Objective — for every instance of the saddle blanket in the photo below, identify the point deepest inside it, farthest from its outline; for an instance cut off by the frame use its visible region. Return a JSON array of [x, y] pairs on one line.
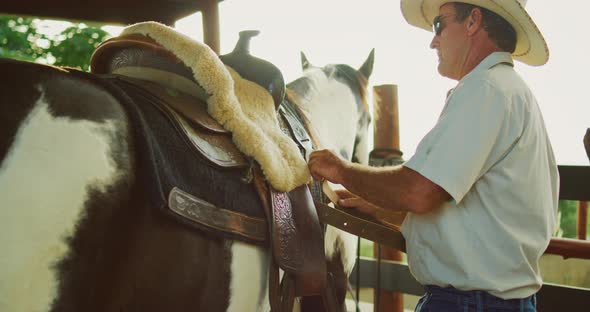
[[165, 160]]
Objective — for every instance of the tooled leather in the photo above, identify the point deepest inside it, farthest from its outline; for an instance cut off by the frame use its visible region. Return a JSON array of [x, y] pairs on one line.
[[287, 247], [205, 214]]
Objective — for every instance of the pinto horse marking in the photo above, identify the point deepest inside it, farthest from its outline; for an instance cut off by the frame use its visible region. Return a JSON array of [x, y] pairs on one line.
[[75, 231], [46, 232], [45, 183], [249, 278]]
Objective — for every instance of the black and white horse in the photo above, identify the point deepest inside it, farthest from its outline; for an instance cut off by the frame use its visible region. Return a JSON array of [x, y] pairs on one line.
[[73, 231]]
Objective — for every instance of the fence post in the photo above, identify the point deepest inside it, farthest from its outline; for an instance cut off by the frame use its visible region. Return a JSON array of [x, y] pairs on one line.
[[386, 151], [582, 219]]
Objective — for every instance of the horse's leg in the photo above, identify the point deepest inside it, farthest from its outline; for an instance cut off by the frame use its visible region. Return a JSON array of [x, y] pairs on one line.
[[249, 278], [52, 163]]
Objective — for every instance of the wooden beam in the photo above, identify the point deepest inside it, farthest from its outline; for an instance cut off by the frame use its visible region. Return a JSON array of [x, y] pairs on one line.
[[553, 297], [120, 12], [210, 11], [574, 182]]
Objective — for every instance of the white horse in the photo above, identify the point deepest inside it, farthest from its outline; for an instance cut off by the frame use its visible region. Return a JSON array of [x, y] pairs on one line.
[[76, 230]]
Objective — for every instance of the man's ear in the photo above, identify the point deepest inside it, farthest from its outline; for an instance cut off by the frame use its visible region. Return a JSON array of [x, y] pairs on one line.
[[474, 21]]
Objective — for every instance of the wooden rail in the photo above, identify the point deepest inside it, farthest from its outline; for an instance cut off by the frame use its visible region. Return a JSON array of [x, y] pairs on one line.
[[569, 248], [574, 182], [574, 185]]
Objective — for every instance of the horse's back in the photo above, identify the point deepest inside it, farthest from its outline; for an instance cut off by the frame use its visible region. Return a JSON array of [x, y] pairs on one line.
[[56, 156], [76, 232]]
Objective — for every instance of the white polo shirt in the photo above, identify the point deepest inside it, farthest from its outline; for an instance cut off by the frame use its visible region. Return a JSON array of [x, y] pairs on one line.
[[490, 151]]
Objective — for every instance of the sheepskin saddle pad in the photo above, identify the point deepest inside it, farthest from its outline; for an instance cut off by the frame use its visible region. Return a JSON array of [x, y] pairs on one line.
[[240, 106]]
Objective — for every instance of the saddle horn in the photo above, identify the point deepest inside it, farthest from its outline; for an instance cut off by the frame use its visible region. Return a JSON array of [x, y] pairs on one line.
[[262, 72]]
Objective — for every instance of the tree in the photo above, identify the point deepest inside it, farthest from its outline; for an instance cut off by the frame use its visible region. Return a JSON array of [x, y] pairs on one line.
[[18, 39], [21, 39], [74, 46]]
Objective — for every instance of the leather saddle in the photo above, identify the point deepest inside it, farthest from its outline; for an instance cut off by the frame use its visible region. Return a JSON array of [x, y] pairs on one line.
[[292, 227]]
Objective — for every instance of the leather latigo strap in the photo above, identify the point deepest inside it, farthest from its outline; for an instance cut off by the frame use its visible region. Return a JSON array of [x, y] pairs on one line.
[[296, 129], [351, 221], [207, 215]]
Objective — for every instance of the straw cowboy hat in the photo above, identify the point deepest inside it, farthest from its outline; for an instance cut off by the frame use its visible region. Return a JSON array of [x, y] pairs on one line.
[[531, 47]]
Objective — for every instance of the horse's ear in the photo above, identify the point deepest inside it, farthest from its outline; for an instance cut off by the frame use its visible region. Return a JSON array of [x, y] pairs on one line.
[[367, 67], [305, 64], [587, 142]]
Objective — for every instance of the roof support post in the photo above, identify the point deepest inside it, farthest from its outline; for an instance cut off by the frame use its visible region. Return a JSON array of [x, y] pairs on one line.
[[386, 145], [210, 13]]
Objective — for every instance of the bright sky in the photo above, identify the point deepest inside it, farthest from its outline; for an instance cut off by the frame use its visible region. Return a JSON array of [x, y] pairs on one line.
[[344, 31]]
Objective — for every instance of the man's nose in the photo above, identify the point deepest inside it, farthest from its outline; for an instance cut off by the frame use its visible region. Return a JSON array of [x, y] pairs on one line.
[[434, 42]]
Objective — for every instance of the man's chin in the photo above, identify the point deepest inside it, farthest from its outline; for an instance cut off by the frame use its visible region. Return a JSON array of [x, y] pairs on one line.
[[441, 69]]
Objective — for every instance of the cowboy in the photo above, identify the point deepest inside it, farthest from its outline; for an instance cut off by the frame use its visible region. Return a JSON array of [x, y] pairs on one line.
[[477, 202]]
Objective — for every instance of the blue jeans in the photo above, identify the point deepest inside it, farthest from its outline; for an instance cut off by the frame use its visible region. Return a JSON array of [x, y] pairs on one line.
[[449, 299]]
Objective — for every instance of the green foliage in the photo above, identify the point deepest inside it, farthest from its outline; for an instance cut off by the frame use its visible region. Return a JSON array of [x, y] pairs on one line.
[[75, 45], [20, 39], [366, 248], [568, 215]]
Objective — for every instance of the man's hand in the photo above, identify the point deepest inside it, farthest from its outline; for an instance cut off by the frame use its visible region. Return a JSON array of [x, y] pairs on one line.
[[324, 164]]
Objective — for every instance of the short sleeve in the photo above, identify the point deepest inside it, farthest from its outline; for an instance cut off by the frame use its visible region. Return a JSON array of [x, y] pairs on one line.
[[454, 153]]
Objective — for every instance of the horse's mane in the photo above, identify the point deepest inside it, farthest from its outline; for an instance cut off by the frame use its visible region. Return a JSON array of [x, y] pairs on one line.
[[350, 76]]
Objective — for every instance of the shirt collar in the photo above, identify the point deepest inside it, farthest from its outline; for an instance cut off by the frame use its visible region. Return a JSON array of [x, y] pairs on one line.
[[492, 60], [488, 62]]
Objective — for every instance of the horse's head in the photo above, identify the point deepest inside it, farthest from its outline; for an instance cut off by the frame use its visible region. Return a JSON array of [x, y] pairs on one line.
[[334, 100]]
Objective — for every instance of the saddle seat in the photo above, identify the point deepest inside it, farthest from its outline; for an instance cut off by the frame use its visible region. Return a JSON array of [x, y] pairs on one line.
[[292, 225], [143, 62], [245, 107]]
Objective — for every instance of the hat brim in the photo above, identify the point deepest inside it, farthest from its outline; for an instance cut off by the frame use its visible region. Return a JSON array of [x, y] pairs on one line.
[[531, 47]]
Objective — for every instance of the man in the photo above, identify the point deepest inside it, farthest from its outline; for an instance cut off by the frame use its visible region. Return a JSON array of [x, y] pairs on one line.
[[481, 191]]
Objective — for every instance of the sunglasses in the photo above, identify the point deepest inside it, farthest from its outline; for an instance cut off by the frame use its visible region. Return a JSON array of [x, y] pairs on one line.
[[437, 24]]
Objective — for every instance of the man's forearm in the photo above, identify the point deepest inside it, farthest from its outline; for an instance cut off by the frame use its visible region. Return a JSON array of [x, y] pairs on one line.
[[394, 188], [382, 186]]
